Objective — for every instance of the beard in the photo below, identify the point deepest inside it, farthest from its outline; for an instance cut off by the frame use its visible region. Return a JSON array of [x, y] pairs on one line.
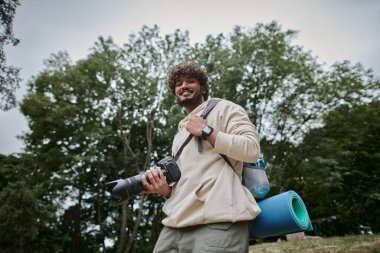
[[194, 100]]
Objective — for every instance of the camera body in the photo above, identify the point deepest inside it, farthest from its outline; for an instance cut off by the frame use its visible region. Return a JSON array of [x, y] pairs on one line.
[[123, 188], [170, 169]]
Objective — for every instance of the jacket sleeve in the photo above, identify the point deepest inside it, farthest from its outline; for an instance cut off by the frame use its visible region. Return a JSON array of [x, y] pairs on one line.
[[237, 138]]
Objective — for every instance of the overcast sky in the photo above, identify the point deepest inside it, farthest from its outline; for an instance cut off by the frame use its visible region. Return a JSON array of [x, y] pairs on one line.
[[333, 30]]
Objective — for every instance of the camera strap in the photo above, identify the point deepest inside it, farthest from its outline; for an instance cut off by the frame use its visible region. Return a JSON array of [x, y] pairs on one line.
[[210, 105]]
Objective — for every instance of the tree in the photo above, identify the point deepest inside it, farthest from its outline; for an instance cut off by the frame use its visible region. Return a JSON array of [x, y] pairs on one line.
[[340, 166], [109, 116], [277, 82], [93, 122], [285, 91], [26, 222], [9, 76], [18, 209], [17, 212]]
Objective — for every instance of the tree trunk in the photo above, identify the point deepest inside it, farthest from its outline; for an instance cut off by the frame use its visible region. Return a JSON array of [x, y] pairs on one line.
[[124, 212], [149, 133]]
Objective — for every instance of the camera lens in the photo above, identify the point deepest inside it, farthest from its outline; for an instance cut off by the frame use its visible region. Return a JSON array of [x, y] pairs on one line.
[[123, 188], [134, 184]]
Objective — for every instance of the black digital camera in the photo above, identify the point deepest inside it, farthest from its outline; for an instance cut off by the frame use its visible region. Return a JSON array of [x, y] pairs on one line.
[[123, 188]]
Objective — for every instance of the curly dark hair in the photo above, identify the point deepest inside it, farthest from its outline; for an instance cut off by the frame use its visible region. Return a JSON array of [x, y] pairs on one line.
[[187, 69]]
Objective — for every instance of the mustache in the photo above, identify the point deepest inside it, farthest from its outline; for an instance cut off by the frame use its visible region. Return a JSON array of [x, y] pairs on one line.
[[186, 89]]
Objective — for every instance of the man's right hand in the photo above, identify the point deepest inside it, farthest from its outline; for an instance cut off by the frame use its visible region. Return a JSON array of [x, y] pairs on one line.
[[157, 184]]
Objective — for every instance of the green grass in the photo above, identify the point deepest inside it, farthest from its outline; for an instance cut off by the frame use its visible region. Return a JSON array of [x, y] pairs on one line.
[[346, 244]]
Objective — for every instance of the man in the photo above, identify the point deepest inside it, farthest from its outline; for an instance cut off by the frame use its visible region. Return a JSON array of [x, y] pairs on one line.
[[208, 210]]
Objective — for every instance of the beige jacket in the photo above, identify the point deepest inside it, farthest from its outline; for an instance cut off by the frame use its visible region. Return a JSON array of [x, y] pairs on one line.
[[209, 191]]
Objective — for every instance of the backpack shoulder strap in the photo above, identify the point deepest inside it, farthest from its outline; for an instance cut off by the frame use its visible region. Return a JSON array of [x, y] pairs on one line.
[[210, 105]]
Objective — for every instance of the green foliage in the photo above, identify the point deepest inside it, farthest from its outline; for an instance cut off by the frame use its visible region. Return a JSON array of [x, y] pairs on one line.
[[18, 211], [110, 116], [17, 214], [262, 71], [9, 76], [340, 166], [95, 121], [27, 218], [285, 91]]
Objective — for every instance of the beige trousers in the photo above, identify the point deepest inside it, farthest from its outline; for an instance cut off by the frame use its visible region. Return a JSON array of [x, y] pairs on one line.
[[216, 237]]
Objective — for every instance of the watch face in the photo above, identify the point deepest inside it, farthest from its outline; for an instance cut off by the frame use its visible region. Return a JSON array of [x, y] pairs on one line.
[[207, 130]]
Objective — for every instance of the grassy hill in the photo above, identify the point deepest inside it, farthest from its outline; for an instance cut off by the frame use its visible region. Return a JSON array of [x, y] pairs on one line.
[[346, 244]]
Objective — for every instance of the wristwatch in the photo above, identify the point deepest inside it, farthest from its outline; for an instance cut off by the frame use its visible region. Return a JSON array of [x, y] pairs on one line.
[[206, 131]]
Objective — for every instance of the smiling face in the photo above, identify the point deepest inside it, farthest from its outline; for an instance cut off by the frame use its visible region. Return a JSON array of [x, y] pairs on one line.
[[189, 92], [187, 70]]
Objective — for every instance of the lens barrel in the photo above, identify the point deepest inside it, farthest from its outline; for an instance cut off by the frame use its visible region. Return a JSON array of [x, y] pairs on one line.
[[123, 188]]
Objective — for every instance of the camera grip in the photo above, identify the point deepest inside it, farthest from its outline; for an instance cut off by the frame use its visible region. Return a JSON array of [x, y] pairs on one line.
[[170, 169]]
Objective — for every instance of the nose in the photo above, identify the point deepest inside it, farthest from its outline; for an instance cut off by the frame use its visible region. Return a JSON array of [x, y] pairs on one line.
[[182, 84]]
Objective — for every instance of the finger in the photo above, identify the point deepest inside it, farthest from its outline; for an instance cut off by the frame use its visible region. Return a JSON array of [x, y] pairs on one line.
[[143, 180], [156, 174], [196, 118], [190, 120], [148, 187], [152, 179], [158, 177], [162, 176]]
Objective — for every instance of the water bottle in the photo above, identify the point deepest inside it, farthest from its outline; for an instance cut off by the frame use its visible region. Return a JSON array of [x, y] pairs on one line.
[[255, 178]]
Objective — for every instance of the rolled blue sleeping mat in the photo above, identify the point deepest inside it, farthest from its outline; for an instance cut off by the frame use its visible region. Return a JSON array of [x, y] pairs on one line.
[[281, 214]]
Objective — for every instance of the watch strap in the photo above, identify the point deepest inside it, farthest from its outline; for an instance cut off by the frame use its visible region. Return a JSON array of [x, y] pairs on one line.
[[204, 134]]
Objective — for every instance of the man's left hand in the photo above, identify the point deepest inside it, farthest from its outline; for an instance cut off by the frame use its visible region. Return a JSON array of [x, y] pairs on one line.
[[195, 125]]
